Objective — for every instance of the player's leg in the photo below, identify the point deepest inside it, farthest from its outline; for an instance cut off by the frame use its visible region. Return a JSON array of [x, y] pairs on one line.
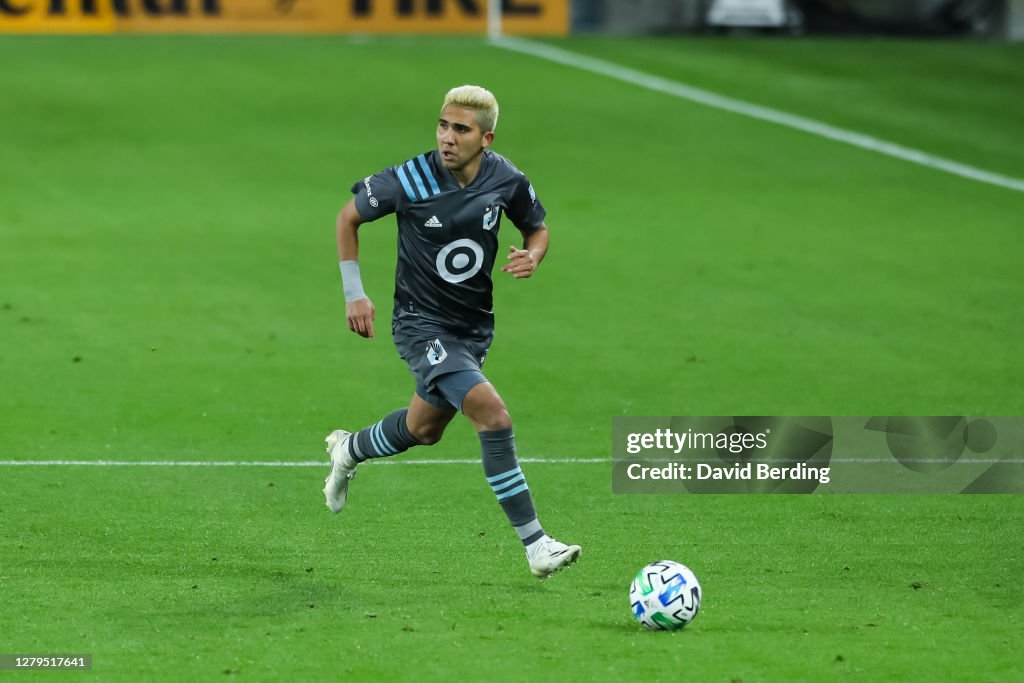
[[422, 423], [428, 420], [487, 411]]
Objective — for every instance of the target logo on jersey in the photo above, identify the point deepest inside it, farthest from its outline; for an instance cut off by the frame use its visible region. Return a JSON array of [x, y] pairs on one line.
[[459, 260]]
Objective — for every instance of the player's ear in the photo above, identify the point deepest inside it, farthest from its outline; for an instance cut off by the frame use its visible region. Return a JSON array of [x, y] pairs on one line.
[[488, 138]]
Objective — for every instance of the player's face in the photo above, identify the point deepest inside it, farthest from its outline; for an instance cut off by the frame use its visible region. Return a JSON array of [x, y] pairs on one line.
[[459, 137]]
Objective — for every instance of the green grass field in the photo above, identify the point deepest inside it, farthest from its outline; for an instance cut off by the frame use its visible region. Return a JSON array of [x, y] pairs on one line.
[[169, 292]]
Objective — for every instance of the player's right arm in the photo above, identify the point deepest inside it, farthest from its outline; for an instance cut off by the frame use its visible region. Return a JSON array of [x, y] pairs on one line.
[[359, 309], [373, 197]]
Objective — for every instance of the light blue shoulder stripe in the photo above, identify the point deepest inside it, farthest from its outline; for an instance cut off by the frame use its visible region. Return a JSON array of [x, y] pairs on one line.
[[416, 176], [427, 174], [405, 183]]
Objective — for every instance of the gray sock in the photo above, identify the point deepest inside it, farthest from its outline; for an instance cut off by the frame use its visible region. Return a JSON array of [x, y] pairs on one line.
[[509, 483], [390, 436]]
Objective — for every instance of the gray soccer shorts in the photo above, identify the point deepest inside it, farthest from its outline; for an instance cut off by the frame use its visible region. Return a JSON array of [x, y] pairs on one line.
[[444, 366]]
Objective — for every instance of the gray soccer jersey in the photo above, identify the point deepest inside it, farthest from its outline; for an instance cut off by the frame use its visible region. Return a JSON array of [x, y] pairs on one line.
[[448, 235]]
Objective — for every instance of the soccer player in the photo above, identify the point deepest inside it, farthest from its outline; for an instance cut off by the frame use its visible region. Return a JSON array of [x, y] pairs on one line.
[[448, 204]]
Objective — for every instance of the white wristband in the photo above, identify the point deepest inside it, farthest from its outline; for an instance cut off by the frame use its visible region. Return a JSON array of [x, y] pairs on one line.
[[351, 281]]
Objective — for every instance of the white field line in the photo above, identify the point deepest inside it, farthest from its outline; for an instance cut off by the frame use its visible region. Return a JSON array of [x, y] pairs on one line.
[[389, 461], [711, 99]]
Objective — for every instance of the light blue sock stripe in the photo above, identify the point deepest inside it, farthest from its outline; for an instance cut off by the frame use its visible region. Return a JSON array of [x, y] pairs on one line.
[[384, 440], [499, 477], [378, 440], [384, 444], [374, 442], [377, 446], [509, 494], [416, 177], [405, 183], [428, 175], [506, 484]]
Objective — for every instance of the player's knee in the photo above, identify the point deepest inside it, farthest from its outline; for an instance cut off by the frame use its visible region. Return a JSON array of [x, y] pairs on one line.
[[427, 435], [493, 419]]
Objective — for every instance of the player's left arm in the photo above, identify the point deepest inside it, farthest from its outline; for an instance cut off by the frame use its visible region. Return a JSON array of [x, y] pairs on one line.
[[523, 262]]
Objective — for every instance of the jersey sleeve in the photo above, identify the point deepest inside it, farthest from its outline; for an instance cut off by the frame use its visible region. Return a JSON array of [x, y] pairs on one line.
[[524, 209], [377, 195]]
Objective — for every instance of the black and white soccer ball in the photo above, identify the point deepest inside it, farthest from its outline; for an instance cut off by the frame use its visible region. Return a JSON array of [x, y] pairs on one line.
[[665, 596]]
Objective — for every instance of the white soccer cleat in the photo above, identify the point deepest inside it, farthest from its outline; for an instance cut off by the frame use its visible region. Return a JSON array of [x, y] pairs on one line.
[[549, 556], [343, 469]]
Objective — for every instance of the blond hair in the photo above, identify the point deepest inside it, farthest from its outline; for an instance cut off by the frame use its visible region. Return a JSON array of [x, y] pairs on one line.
[[479, 100]]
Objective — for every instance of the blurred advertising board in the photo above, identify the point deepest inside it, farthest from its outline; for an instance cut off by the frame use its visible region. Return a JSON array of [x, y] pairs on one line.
[[536, 17]]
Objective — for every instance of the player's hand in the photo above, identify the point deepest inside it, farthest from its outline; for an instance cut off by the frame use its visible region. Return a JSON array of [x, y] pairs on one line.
[[520, 263], [360, 316]]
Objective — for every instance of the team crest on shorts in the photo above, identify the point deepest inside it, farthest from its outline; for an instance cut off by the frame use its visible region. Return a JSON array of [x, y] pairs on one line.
[[436, 352]]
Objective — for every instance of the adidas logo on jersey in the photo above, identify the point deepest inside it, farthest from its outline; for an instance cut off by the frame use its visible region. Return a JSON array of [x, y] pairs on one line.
[[432, 223]]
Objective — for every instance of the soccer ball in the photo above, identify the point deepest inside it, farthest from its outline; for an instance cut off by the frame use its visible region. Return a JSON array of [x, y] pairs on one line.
[[665, 596]]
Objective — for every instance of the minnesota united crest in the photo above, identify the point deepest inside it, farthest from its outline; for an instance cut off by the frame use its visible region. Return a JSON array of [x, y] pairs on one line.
[[436, 352]]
